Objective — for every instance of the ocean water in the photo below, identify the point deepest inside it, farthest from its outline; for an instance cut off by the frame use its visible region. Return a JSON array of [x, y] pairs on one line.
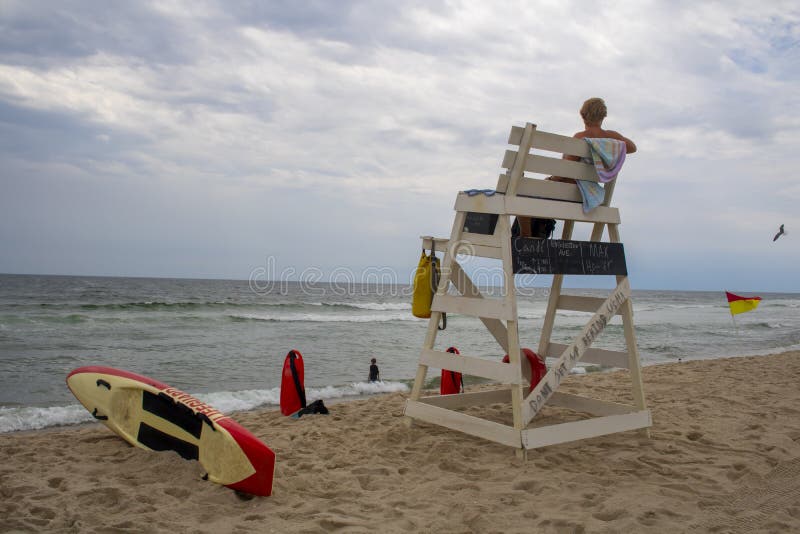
[[225, 341]]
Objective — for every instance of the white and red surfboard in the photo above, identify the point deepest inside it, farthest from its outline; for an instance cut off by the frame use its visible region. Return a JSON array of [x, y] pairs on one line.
[[154, 416]]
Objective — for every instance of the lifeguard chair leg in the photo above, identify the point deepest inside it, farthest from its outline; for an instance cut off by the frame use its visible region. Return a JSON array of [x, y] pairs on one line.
[[634, 363], [512, 329], [552, 302]]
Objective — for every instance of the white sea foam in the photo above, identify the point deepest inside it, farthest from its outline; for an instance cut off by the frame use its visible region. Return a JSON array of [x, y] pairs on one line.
[[13, 419], [326, 317], [375, 306], [661, 307], [571, 313], [530, 314], [355, 389], [237, 401], [231, 401]]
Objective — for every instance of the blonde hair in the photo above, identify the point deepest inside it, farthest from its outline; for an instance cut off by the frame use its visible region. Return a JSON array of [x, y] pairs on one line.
[[594, 111]]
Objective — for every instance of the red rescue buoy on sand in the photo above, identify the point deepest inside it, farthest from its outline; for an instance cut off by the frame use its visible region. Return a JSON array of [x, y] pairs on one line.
[[451, 381], [533, 367], [293, 393]]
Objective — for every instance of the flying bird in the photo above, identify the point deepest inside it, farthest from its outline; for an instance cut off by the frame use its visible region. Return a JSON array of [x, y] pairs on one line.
[[780, 233]]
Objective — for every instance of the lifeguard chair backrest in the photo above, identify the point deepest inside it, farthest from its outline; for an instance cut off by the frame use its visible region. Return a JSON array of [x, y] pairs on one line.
[[545, 161]]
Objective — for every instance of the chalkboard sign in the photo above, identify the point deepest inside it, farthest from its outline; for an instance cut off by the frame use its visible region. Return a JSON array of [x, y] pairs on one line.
[[557, 256], [480, 223]]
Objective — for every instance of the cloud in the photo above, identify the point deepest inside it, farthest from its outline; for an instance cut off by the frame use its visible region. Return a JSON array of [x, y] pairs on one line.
[[36, 33], [352, 120]]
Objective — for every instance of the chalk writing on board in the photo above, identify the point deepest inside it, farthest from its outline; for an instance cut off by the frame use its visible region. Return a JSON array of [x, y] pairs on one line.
[[560, 256]]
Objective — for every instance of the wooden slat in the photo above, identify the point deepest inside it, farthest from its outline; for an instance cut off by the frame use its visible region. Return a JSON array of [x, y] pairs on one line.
[[467, 424], [465, 400], [552, 301], [480, 239], [590, 428], [512, 325], [630, 337], [480, 251], [470, 365], [561, 167], [480, 203], [484, 246], [467, 237], [490, 307], [597, 232], [608, 358], [553, 166], [534, 187], [587, 405], [535, 207], [582, 304], [516, 170], [465, 248], [554, 209], [609, 192], [552, 142], [441, 242]]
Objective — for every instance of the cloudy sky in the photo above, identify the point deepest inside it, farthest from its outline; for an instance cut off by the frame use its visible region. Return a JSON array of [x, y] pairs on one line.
[[208, 139]]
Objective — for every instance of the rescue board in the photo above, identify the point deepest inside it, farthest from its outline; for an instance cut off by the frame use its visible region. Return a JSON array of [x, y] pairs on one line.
[[293, 391], [152, 415]]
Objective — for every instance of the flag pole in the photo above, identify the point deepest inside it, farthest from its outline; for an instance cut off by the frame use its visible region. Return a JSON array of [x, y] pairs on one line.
[[736, 326]]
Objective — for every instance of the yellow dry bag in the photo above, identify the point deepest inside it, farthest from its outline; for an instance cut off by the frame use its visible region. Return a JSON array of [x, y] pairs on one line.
[[426, 281]]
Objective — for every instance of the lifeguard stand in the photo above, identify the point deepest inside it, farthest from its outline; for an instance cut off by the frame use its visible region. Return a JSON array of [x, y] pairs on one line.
[[520, 195]]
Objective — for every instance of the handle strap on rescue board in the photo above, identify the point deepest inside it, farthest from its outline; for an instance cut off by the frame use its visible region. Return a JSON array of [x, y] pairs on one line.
[[301, 392]]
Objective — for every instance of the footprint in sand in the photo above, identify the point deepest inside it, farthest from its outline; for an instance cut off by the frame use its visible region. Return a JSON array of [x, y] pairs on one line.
[[526, 485], [609, 515], [179, 493], [44, 513], [106, 497]]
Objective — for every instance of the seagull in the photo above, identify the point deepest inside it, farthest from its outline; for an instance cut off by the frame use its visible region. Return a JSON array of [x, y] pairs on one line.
[[780, 233]]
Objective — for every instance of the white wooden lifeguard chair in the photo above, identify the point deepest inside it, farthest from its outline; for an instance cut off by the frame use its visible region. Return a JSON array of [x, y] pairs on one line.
[[520, 195]]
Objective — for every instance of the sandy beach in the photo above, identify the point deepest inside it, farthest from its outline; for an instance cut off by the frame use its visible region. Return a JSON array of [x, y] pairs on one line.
[[724, 456]]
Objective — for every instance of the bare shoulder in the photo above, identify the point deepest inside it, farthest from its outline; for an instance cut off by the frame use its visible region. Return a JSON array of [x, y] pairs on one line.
[[615, 135]]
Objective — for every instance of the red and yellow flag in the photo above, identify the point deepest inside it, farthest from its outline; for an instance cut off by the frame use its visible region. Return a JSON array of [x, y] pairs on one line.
[[741, 304]]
